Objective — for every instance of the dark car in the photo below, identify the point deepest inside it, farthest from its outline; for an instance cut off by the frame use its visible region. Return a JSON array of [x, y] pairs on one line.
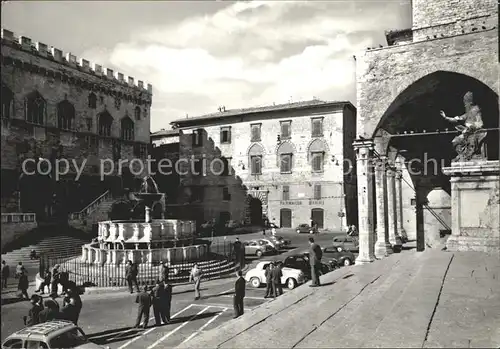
[[342, 257], [306, 228], [346, 242], [301, 262]]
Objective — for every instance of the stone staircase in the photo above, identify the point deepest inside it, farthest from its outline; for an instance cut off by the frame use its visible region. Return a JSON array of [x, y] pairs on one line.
[[93, 213]]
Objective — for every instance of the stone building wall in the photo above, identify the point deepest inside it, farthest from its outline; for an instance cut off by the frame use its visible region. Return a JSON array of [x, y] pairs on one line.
[[301, 181]]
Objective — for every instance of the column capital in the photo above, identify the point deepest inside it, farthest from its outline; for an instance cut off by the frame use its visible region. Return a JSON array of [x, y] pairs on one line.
[[363, 143]]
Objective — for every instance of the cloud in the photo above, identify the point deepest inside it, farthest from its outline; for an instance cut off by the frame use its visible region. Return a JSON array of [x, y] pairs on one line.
[[253, 53]]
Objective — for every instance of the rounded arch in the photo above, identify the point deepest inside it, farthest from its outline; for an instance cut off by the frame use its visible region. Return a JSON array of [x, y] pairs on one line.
[[127, 127], [105, 121], [317, 146]]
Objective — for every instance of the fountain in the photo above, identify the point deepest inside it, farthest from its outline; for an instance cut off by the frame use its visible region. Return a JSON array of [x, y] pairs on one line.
[[147, 241]]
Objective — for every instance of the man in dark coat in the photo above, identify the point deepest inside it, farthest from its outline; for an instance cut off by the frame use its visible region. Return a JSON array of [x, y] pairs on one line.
[[54, 281], [64, 280], [167, 302], [276, 275], [76, 301], [34, 312], [5, 274], [131, 275], [49, 313], [23, 284], [69, 310], [237, 252], [239, 294], [47, 276], [144, 301], [315, 255], [157, 295], [269, 281]]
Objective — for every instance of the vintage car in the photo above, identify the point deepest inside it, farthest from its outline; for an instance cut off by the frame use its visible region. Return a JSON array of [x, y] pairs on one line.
[[306, 228], [345, 242], [342, 257], [258, 248], [51, 334], [277, 242], [291, 277], [301, 261]]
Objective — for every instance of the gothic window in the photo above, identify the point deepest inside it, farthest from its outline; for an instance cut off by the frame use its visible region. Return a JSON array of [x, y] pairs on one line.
[[137, 113], [105, 122], [65, 115], [316, 153], [35, 108], [317, 127], [7, 102], [127, 129], [255, 155], [92, 100], [255, 132], [285, 154]]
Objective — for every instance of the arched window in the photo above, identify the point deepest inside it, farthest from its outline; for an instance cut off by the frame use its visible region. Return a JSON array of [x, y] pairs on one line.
[[92, 100], [35, 108], [105, 122], [255, 154], [316, 154], [285, 157], [127, 129], [137, 113], [65, 115], [7, 102]]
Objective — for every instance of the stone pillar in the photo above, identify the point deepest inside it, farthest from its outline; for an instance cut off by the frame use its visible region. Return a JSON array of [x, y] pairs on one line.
[[399, 203], [364, 150], [391, 210], [148, 215], [382, 246], [85, 252]]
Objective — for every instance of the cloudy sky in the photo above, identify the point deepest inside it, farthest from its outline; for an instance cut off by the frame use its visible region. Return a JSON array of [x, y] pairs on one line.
[[199, 55]]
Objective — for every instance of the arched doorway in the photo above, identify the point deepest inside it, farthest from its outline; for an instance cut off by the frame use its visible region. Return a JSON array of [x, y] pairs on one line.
[[285, 218], [255, 211], [317, 215]]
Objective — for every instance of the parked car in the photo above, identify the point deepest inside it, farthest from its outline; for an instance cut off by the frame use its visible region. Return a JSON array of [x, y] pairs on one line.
[[339, 257], [349, 243], [291, 277], [51, 334], [301, 261], [258, 248], [306, 228], [278, 242]]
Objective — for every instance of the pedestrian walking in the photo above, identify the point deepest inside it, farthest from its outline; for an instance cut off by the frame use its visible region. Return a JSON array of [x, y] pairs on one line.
[[269, 281], [19, 268], [276, 276], [144, 301], [239, 294], [69, 310], [157, 295], [76, 300], [23, 284], [237, 253], [54, 281], [167, 301], [131, 273], [5, 274], [165, 272], [195, 276], [51, 312], [64, 280], [315, 255], [34, 312], [47, 276]]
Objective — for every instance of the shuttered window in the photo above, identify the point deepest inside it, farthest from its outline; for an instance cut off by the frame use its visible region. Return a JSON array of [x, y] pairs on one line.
[[256, 164], [225, 134], [317, 127], [317, 161], [286, 193], [286, 163], [255, 130], [286, 130], [317, 192]]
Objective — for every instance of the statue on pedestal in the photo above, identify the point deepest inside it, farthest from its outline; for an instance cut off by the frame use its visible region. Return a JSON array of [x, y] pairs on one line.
[[469, 143]]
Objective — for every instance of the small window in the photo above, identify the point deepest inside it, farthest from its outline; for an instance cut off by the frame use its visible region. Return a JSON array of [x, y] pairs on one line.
[[255, 131], [286, 193], [137, 113], [286, 130], [226, 196], [317, 127], [92, 100], [317, 192], [317, 160], [197, 138], [225, 135], [256, 164], [286, 163]]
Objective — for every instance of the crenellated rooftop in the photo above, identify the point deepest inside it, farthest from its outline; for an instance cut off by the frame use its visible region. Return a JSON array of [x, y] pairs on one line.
[[24, 43]]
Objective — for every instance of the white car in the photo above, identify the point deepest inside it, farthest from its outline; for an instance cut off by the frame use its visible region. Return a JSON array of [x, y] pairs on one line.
[[291, 277], [274, 244]]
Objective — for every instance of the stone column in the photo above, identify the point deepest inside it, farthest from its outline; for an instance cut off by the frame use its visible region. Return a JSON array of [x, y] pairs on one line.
[[391, 209], [399, 203], [382, 246], [364, 149]]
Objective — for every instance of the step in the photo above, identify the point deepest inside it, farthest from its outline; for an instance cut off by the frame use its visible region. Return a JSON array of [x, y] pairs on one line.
[[360, 318]]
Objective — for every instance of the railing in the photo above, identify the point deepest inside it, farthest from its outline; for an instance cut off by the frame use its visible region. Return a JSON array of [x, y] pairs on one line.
[[18, 218], [90, 207], [220, 261]]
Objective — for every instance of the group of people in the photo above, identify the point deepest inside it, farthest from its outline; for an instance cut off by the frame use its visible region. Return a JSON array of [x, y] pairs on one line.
[[49, 310], [52, 279], [160, 297], [273, 275]]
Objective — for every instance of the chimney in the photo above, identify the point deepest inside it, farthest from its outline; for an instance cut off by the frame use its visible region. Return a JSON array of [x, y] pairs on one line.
[[57, 54], [42, 49]]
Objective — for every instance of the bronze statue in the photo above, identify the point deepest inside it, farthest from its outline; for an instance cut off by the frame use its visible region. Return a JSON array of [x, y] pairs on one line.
[[469, 143]]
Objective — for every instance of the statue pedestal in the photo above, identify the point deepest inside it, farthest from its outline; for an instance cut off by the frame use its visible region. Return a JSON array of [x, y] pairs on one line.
[[475, 209]]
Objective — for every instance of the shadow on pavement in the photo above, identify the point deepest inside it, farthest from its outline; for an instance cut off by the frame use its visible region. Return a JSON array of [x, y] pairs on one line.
[[111, 336], [188, 291], [189, 317], [218, 295], [12, 300]]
